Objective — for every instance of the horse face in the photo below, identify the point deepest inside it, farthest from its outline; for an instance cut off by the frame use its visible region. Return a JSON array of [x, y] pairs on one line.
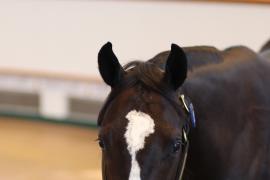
[[142, 140], [141, 129]]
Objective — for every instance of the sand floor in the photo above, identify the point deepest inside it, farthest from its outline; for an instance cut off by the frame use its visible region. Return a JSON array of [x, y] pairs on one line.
[[34, 150]]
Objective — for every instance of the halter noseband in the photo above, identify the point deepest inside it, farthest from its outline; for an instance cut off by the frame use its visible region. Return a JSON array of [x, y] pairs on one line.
[[185, 146]]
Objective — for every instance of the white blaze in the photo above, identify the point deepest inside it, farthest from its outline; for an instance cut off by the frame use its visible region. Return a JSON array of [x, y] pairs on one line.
[[140, 126]]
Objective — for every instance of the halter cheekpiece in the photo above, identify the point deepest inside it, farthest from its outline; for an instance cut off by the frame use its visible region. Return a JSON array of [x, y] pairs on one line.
[[188, 106]]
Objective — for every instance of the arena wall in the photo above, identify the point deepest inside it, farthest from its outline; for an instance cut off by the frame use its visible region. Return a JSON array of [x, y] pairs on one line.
[[49, 48]]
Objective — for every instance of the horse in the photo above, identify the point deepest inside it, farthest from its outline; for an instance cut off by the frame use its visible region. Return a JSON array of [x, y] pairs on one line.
[[174, 118]]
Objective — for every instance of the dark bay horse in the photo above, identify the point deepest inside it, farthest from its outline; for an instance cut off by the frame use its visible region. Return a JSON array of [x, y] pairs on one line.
[[145, 129]]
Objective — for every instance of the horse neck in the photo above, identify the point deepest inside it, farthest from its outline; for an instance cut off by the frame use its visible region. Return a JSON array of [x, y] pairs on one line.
[[223, 104]]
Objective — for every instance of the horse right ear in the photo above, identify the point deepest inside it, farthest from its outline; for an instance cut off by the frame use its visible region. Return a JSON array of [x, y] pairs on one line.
[[176, 67], [109, 67]]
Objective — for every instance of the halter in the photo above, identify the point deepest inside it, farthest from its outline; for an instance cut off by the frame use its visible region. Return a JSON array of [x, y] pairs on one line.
[[185, 145]]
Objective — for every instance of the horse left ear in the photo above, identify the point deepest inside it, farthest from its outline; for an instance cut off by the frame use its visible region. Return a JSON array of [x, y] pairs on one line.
[[176, 67], [109, 67]]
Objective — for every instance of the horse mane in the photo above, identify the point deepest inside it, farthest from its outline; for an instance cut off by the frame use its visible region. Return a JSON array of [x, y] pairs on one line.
[[238, 53], [197, 56], [235, 58], [146, 74]]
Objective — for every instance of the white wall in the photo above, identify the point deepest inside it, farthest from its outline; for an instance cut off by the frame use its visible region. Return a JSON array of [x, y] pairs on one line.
[[64, 36]]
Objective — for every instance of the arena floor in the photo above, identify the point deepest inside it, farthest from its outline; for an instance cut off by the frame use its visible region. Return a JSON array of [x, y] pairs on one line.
[[34, 150]]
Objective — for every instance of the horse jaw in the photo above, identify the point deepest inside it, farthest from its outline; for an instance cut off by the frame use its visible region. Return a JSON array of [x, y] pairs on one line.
[[140, 125]]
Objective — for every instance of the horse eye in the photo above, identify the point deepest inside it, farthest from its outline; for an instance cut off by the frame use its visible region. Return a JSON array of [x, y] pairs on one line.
[[176, 146], [101, 144]]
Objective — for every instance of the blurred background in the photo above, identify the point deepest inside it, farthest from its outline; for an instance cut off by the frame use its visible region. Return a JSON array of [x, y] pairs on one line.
[[50, 89]]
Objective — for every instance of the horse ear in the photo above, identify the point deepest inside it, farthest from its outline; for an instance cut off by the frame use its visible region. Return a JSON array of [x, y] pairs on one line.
[[109, 67], [176, 67]]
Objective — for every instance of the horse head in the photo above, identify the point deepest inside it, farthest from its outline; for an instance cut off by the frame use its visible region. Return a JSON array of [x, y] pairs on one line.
[[142, 121]]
